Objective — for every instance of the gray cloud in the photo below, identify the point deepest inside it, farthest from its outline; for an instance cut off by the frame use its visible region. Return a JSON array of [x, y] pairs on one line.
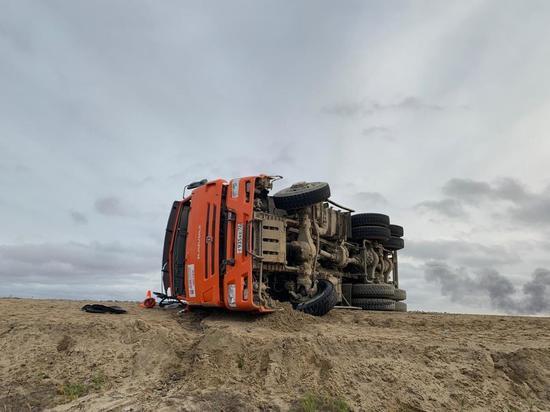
[[482, 288], [500, 291], [464, 253], [76, 269], [365, 200], [447, 207], [475, 191], [369, 107], [112, 258], [110, 206], [16, 169], [78, 218], [467, 189], [413, 103], [347, 109], [374, 130], [520, 204], [488, 286], [538, 291], [523, 205], [510, 189], [378, 132], [535, 210]]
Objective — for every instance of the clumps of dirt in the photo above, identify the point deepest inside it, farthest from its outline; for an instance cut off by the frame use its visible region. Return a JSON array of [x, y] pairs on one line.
[[34, 398], [216, 400], [528, 369], [285, 319], [65, 344]]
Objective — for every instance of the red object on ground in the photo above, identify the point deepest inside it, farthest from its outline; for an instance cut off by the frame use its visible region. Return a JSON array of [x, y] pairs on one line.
[[149, 301]]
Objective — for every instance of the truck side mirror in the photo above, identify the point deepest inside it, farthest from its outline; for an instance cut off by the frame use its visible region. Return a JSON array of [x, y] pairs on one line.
[[194, 185]]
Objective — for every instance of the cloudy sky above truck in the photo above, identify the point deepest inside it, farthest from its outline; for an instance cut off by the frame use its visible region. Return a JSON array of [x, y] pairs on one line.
[[436, 113]]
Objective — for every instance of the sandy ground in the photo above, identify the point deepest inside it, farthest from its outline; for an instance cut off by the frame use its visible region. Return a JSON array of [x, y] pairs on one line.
[[53, 356]]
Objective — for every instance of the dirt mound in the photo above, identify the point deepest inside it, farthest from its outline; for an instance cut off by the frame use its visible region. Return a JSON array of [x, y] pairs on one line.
[[55, 356], [285, 319], [528, 369]]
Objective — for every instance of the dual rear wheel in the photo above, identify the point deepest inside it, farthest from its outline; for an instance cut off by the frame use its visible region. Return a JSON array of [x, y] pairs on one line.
[[376, 296], [377, 227], [367, 296]]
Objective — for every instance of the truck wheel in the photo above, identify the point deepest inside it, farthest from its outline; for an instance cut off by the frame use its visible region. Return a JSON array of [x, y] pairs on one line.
[[400, 294], [394, 243], [397, 230], [301, 195], [321, 303], [373, 290], [370, 219], [374, 304], [370, 233], [400, 307]]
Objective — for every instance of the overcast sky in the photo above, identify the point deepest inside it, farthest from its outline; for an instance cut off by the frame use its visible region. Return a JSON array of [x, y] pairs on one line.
[[434, 112]]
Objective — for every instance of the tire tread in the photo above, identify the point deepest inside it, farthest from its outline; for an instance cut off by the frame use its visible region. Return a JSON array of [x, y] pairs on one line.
[[321, 303], [374, 304]]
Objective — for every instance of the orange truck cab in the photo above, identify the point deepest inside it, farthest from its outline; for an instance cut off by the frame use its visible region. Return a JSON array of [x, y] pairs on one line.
[[208, 258]]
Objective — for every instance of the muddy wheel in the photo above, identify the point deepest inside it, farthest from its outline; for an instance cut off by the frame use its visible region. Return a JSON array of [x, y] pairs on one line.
[[321, 303], [397, 230], [394, 243], [370, 233], [374, 304], [400, 307], [301, 195], [400, 294], [373, 290], [370, 219]]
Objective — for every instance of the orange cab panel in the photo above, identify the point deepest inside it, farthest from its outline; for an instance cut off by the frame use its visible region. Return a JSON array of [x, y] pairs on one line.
[[202, 285]]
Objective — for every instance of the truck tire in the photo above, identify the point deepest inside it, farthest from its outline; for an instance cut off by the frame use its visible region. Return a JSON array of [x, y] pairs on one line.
[[301, 195], [400, 307], [394, 243], [370, 219], [373, 290], [400, 294], [370, 233], [321, 303], [396, 230], [374, 304]]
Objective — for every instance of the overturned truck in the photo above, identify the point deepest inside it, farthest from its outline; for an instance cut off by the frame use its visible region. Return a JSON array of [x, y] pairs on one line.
[[232, 244]]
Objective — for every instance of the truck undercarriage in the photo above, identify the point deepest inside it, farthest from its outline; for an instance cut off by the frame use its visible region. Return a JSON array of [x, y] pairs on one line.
[[233, 244]]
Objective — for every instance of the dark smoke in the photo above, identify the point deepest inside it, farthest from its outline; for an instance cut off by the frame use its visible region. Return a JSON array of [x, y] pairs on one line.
[[537, 292], [489, 286]]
